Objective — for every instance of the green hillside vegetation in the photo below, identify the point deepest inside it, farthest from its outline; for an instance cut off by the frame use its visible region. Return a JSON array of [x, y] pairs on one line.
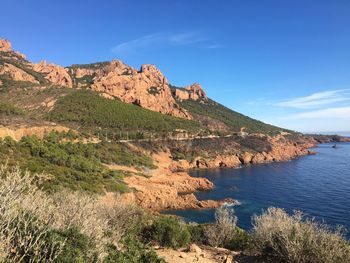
[[92, 111], [73, 165], [10, 110], [90, 65], [232, 119]]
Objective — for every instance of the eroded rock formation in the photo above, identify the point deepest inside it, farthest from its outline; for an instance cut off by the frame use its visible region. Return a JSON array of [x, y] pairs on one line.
[[55, 74], [192, 92], [16, 73], [5, 45], [147, 87]]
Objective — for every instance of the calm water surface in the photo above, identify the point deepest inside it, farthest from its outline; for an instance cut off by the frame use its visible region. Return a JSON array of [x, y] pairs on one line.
[[318, 185]]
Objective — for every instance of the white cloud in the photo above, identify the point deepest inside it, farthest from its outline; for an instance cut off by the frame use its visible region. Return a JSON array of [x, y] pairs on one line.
[[329, 113], [179, 39], [316, 100]]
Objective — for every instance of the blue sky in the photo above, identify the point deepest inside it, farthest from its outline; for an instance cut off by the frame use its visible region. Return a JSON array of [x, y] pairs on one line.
[[284, 62]]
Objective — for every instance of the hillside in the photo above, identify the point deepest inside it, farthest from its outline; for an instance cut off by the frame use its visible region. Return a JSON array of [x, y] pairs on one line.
[[132, 103], [93, 112], [211, 112]]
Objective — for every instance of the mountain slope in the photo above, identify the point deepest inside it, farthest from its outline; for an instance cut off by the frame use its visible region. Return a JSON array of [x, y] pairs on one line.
[[135, 101], [233, 120]]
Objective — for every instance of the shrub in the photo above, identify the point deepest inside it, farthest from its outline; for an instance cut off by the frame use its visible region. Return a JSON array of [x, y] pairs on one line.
[[220, 233], [62, 227], [134, 252], [197, 232], [240, 240], [25, 220], [78, 247], [168, 232], [10, 110], [285, 238]]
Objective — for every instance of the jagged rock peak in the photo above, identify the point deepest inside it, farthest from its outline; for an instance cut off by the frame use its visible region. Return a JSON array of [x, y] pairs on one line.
[[5, 45], [197, 91], [54, 73], [192, 92]]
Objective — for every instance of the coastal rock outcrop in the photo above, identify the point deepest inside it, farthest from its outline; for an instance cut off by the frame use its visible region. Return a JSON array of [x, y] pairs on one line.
[[168, 189]]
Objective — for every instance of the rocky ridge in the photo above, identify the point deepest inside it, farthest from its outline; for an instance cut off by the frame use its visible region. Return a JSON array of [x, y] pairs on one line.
[[147, 87], [56, 74]]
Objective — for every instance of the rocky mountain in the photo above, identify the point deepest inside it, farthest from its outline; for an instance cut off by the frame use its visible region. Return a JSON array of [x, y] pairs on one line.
[[146, 88]]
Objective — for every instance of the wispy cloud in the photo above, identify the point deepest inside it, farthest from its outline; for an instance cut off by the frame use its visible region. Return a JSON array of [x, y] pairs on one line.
[[317, 99], [192, 38], [329, 113]]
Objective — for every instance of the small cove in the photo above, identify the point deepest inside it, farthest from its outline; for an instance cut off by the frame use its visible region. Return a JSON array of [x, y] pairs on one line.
[[318, 185]]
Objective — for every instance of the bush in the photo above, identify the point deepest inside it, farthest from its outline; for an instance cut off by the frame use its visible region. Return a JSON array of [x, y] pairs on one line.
[[197, 232], [284, 238], [134, 252], [220, 233], [77, 246], [25, 221], [63, 227], [10, 110], [167, 232], [240, 240]]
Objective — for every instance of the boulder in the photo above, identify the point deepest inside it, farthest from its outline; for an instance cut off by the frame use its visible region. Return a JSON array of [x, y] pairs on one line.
[[194, 249]]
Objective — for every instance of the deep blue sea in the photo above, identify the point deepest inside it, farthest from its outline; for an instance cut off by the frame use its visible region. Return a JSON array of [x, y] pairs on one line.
[[318, 185]]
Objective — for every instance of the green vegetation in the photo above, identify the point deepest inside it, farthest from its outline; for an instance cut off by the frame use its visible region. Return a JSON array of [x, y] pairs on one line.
[[10, 110], [153, 90], [234, 120], [91, 111], [167, 231], [74, 165], [91, 65], [135, 252], [86, 80]]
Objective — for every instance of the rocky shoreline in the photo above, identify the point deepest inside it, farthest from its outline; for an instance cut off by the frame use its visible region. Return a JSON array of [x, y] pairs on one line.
[[171, 187]]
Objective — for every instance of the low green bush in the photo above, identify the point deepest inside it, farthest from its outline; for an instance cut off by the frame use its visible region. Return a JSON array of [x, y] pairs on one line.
[[167, 231], [197, 232], [10, 110], [241, 240], [134, 252], [77, 246]]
